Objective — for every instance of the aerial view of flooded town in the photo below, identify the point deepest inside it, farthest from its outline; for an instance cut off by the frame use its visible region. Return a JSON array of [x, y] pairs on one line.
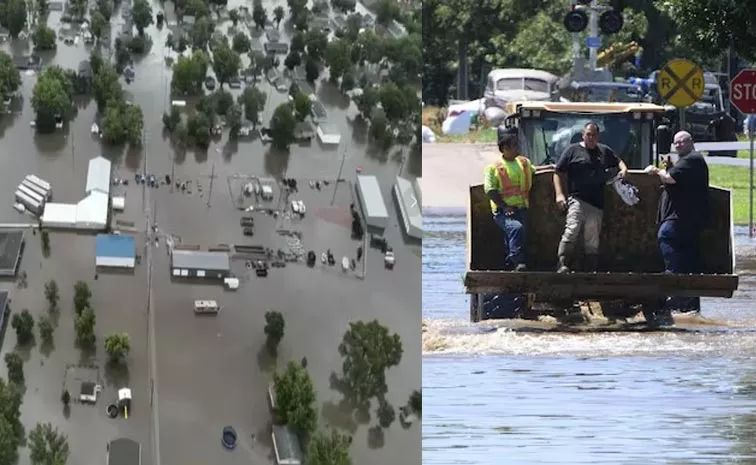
[[211, 234]]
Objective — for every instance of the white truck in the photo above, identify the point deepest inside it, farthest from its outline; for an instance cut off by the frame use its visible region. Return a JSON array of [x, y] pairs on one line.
[[206, 307]]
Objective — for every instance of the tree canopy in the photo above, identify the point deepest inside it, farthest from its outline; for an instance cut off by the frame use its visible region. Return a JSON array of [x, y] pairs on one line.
[[295, 398]]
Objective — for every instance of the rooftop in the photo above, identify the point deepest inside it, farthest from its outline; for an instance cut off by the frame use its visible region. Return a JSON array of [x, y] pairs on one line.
[[123, 451], [112, 245], [287, 446], [11, 243], [200, 260]]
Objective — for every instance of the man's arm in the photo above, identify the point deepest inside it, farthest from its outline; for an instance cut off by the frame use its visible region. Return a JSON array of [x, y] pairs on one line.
[[491, 187]]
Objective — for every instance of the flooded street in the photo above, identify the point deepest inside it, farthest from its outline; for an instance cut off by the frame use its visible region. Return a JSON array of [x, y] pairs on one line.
[[630, 398], [317, 305]]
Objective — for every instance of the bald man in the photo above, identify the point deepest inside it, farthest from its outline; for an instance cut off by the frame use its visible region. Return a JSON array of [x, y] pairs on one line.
[[683, 207]]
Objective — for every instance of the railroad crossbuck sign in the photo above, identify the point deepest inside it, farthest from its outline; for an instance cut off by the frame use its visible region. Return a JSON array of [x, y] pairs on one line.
[[680, 83], [743, 91]]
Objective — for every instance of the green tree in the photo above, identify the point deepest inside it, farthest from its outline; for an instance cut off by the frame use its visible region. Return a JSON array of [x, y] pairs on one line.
[[259, 15], [51, 97], [10, 411], [344, 6], [106, 8], [8, 443], [393, 102], [47, 445], [368, 350], [295, 398], [241, 43], [385, 413], [52, 294], [367, 101], [233, 15], [331, 448], [141, 13], [293, 59], [298, 42], [15, 365], [415, 402], [45, 329], [106, 87], [14, 16], [317, 41], [226, 64], [117, 345], [45, 238], [123, 123], [198, 127], [338, 58], [172, 120], [386, 11], [282, 126], [379, 128], [44, 38], [97, 23], [278, 15], [23, 324], [312, 69], [274, 329], [201, 33], [348, 81], [189, 73], [253, 101], [302, 106], [10, 78], [84, 324], [82, 296]]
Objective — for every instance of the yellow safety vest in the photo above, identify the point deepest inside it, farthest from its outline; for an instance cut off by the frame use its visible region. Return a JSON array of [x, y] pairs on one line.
[[514, 195]]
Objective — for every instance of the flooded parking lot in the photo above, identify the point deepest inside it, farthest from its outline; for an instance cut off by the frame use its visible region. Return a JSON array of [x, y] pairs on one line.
[[210, 371]]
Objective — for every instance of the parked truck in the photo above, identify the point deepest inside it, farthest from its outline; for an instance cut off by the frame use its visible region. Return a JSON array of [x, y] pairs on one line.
[[630, 280]]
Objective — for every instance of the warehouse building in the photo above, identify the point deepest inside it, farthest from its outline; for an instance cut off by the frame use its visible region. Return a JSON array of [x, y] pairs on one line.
[[200, 264], [371, 200]]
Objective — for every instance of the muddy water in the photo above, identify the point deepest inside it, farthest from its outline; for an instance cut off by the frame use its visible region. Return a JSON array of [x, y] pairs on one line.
[[602, 398], [227, 360]]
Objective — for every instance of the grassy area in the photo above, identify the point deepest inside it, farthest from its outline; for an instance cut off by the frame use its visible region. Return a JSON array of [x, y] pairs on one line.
[[735, 178], [743, 153], [433, 117]]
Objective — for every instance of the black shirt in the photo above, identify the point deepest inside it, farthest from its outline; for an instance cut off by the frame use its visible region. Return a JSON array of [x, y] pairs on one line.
[[587, 171], [688, 199]]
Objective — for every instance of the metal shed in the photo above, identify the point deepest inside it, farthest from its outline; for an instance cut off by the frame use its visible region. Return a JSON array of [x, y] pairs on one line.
[[286, 445], [200, 264], [124, 451], [371, 200], [98, 176], [115, 251], [409, 206]]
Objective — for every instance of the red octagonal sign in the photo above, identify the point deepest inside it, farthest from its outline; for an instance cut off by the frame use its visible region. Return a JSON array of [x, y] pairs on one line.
[[743, 91]]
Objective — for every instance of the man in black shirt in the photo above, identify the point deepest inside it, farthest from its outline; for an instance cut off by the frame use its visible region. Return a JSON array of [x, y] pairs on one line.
[[582, 171], [683, 207]]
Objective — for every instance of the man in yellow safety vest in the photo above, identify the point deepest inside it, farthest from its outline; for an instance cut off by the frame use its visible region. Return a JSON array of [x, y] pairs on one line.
[[507, 184]]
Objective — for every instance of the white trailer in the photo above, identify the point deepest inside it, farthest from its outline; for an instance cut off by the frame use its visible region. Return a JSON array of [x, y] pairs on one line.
[[35, 188], [372, 202], [41, 183], [206, 306], [31, 204]]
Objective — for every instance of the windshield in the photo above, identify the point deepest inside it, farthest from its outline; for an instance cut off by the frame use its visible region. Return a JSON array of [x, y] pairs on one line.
[[710, 102], [544, 139], [536, 85], [605, 94]]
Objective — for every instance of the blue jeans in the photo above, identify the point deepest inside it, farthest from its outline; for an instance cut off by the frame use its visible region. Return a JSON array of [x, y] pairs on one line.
[[514, 230], [679, 247]]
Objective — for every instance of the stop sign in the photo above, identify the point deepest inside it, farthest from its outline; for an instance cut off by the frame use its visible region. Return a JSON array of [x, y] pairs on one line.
[[743, 91]]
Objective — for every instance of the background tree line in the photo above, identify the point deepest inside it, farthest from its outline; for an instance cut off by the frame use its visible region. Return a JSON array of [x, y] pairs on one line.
[[529, 33]]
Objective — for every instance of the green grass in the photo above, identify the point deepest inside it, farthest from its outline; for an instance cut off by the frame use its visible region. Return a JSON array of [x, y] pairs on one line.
[[743, 153], [735, 178]]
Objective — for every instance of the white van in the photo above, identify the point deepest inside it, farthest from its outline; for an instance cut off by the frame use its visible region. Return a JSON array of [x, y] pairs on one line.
[[206, 306]]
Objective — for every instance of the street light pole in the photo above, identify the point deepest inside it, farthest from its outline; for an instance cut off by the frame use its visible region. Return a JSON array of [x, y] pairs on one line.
[[338, 176]]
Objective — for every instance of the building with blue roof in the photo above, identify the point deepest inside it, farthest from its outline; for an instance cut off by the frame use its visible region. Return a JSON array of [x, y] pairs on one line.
[[115, 251]]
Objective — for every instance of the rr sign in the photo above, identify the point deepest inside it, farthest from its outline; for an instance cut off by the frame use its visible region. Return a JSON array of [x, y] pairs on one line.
[[743, 91]]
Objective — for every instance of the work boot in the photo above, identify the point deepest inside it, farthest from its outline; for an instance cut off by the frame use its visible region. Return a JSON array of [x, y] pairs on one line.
[[591, 263], [563, 268], [521, 267]]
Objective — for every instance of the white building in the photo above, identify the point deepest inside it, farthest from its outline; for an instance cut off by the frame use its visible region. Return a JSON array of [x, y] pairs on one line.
[[371, 200], [98, 176], [91, 213], [409, 206]]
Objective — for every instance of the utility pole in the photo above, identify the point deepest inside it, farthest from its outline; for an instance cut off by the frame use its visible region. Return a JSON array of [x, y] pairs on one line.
[[212, 177], [338, 176]]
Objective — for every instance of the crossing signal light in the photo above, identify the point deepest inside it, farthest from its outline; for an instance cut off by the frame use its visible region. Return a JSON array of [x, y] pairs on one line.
[[611, 22], [576, 21]]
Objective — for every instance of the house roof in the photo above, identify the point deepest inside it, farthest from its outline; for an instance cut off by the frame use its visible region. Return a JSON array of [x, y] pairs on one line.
[[98, 175], [201, 260], [112, 245]]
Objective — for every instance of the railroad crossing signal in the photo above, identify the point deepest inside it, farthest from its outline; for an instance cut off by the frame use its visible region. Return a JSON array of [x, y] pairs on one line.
[[743, 91], [680, 83]]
